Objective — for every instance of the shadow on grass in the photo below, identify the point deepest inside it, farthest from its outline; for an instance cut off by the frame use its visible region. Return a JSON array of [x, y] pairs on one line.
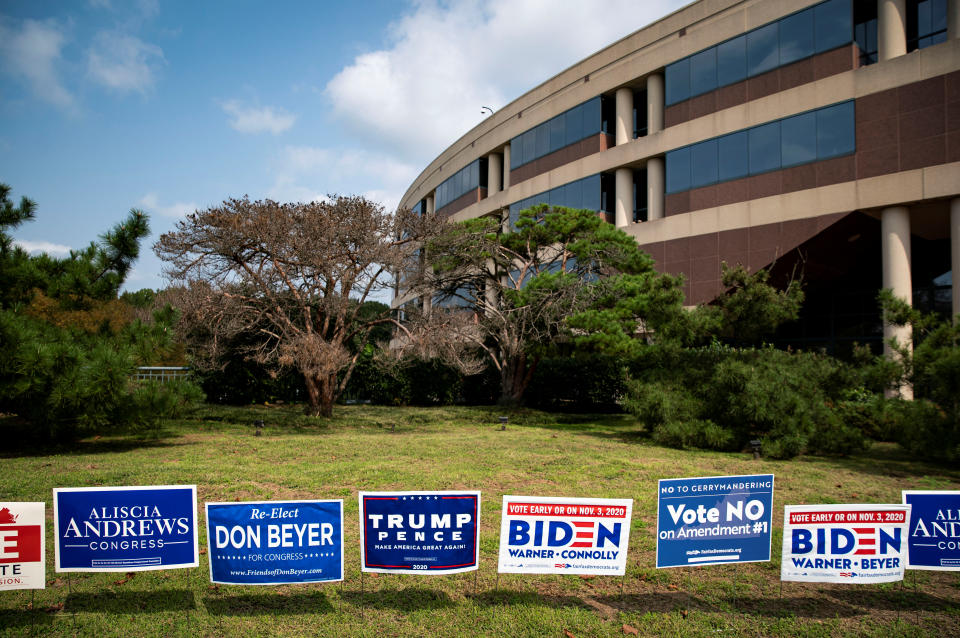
[[132, 602], [13, 618], [19, 447], [502, 597], [406, 600], [268, 604]]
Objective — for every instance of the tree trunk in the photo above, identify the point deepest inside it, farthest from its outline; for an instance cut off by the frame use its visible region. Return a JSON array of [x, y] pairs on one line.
[[514, 378], [320, 395]]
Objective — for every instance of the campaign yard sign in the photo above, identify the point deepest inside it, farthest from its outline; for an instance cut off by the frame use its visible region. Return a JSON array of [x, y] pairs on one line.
[[420, 532], [844, 543], [714, 520], [124, 529], [934, 539], [275, 542], [556, 535], [22, 546]]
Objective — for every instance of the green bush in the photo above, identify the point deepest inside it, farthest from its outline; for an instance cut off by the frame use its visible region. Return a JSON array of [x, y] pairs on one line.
[[693, 433]]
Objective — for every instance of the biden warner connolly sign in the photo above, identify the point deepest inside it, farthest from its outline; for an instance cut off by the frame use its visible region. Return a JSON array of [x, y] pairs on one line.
[[844, 543], [421, 532], [21, 546], [934, 529], [552, 535], [714, 520], [275, 542], [123, 529]]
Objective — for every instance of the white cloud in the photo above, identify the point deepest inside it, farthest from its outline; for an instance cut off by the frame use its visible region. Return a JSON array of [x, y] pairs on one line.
[[446, 61], [307, 173], [33, 51], [123, 62], [151, 203], [249, 119], [55, 250]]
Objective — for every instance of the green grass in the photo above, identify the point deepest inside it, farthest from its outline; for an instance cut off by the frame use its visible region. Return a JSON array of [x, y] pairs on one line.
[[373, 448]]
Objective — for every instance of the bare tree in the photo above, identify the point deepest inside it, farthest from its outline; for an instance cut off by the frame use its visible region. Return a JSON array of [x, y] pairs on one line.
[[294, 275]]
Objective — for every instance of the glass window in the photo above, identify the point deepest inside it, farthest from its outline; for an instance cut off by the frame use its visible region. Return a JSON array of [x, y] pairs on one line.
[[543, 139], [574, 194], [591, 192], [516, 152], [796, 37], [835, 131], [592, 117], [557, 139], [703, 71], [573, 121], [764, 147], [529, 145], [832, 24], [703, 163], [678, 170], [677, 80], [732, 61], [732, 156], [865, 30], [926, 23], [798, 139], [762, 50]]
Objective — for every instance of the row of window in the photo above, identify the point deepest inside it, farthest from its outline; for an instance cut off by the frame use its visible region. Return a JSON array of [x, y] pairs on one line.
[[567, 128], [800, 139], [469, 178], [594, 192], [814, 30]]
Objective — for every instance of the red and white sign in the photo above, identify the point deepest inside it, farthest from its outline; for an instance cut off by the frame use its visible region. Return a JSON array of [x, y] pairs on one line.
[[845, 543], [22, 546], [546, 535]]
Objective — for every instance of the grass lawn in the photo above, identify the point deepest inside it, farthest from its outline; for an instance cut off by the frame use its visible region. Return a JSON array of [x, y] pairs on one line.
[[374, 448]]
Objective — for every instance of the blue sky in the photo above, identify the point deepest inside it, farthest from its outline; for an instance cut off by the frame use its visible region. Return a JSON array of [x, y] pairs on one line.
[[170, 106]]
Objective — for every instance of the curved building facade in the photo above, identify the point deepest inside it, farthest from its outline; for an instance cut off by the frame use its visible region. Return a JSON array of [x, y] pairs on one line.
[[811, 137]]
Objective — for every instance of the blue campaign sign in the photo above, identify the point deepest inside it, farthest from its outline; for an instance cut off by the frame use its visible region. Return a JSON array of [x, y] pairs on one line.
[[934, 538], [275, 542], [420, 532], [124, 529], [714, 520]]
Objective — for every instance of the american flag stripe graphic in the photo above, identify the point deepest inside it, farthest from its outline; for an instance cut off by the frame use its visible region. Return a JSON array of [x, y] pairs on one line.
[[586, 530], [866, 536]]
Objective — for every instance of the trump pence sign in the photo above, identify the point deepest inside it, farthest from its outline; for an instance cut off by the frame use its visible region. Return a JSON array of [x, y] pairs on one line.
[[275, 542], [844, 543], [550, 535], [420, 532], [125, 529], [22, 549]]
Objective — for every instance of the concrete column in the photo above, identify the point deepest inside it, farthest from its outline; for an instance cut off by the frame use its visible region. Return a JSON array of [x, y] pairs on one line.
[[430, 207], [895, 235], [494, 173], [655, 102], [624, 115], [891, 28], [955, 254], [623, 209], [655, 188], [506, 167], [953, 19]]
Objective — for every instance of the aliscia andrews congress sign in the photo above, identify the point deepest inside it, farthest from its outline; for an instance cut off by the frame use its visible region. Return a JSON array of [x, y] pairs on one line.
[[123, 529]]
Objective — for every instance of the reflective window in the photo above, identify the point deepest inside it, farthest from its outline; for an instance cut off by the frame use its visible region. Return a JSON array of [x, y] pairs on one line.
[[703, 163], [529, 145], [762, 50], [467, 179], [832, 24], [678, 170], [926, 23], [516, 152], [732, 61], [591, 192], [592, 118], [543, 140], [798, 139], [764, 148], [796, 37], [836, 130], [574, 124], [703, 72], [865, 30], [574, 194], [677, 80], [557, 134], [734, 153]]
